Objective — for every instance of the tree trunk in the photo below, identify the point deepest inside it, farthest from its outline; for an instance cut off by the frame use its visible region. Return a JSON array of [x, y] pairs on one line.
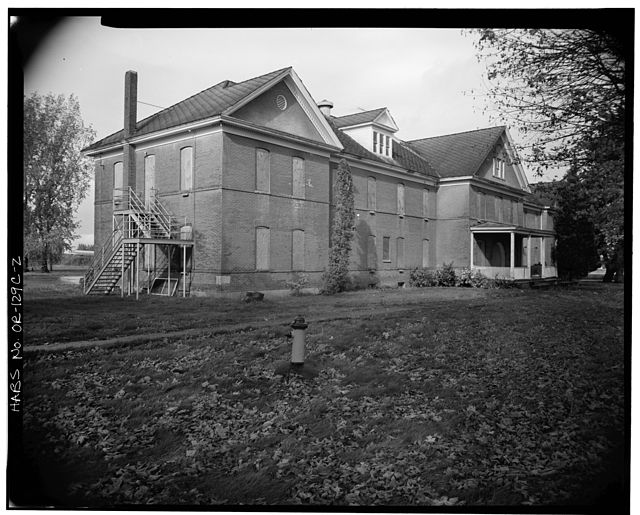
[[45, 260]]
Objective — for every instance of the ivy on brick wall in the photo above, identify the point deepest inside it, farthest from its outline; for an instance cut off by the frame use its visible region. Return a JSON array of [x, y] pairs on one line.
[[336, 277]]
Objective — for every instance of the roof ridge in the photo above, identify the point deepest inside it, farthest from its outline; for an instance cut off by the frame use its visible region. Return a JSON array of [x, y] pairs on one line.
[[210, 88], [361, 112], [457, 133], [167, 109]]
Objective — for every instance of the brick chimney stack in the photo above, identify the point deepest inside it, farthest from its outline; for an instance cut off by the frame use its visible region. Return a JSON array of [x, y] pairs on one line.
[[130, 115], [130, 103]]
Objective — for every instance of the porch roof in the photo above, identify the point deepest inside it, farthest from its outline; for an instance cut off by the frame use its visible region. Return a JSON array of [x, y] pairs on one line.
[[498, 227]]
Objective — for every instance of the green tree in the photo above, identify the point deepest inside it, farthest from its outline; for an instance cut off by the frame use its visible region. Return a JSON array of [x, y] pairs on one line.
[[56, 174], [565, 91], [576, 251], [336, 277]]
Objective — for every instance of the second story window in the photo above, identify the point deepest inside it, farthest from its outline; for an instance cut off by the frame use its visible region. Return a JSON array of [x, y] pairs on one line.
[[401, 199], [425, 204], [498, 168], [298, 189], [375, 142], [371, 193], [186, 168], [263, 170], [386, 145], [118, 181]]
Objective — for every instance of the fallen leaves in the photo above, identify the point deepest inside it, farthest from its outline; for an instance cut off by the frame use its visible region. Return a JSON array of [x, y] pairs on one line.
[[413, 410]]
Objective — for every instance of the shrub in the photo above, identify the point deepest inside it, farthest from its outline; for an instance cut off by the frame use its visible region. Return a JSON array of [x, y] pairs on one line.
[[421, 277], [499, 282], [472, 278], [445, 276], [296, 285]]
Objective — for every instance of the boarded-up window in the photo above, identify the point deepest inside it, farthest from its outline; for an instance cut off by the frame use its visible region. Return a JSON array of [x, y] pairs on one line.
[[385, 249], [118, 181], [298, 177], [499, 216], [425, 253], [371, 193], [400, 253], [401, 199], [372, 255], [263, 170], [514, 212], [425, 203], [297, 250], [186, 168], [262, 248]]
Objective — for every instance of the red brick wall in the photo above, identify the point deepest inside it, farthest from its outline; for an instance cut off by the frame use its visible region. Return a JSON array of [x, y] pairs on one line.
[[244, 210], [386, 222]]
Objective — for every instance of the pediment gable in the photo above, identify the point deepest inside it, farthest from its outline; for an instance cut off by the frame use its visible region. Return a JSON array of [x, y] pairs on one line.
[[386, 120], [514, 174], [285, 105]]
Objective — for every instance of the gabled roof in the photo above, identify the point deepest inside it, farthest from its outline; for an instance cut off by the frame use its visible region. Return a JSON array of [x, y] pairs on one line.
[[461, 154], [402, 156], [358, 118], [209, 102]]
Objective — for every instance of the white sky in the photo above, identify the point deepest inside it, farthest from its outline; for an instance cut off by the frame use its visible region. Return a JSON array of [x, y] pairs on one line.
[[422, 75]]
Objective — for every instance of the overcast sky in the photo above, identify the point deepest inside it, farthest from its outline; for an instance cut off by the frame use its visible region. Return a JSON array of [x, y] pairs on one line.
[[422, 75]]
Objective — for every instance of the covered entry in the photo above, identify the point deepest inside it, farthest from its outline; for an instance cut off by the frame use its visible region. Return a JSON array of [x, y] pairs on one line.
[[511, 251]]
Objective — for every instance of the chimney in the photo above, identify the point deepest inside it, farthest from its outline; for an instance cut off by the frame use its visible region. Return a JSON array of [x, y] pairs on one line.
[[130, 103], [325, 107]]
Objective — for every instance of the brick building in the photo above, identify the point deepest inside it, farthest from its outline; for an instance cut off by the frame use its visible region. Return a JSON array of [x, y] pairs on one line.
[[231, 190]]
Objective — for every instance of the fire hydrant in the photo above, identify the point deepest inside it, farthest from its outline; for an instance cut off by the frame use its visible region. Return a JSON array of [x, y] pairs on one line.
[[299, 332]]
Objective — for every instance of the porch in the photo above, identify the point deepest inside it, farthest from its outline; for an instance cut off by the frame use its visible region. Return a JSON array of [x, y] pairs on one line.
[[512, 252]]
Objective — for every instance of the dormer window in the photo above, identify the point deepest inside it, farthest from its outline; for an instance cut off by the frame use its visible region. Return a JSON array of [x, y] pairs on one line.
[[498, 168], [381, 144]]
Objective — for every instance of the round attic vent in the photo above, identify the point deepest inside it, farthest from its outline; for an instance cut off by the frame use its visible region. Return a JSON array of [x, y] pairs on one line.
[[281, 102]]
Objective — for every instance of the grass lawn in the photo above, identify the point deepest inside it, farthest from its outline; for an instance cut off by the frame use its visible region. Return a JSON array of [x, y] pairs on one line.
[[56, 311], [471, 397]]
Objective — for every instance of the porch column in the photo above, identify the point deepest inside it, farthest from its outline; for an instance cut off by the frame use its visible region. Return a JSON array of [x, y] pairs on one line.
[[529, 255], [512, 257], [542, 255], [471, 242]]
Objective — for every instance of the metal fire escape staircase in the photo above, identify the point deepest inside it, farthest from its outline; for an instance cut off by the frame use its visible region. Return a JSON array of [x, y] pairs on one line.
[[135, 225]]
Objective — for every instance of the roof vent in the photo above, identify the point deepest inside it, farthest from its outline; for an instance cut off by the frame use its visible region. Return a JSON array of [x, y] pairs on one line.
[[281, 102], [325, 107]]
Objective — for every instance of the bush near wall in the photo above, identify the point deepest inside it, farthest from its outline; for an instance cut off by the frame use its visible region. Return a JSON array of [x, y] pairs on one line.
[[447, 276]]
